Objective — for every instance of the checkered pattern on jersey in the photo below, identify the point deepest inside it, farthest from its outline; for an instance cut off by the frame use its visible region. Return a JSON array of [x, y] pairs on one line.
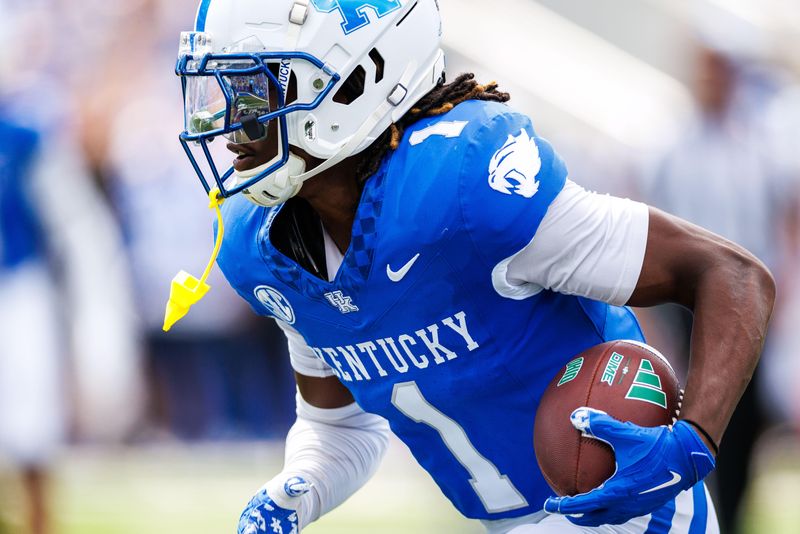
[[362, 246], [287, 271], [357, 260], [284, 269]]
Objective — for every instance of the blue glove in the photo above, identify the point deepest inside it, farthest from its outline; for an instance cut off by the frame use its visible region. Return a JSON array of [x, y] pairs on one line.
[[263, 516], [653, 466]]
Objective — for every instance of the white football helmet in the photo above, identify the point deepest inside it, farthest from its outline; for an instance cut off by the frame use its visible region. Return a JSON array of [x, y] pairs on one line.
[[385, 53]]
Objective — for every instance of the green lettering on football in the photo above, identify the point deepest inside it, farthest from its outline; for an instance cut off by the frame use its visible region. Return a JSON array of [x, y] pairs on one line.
[[573, 368], [611, 368]]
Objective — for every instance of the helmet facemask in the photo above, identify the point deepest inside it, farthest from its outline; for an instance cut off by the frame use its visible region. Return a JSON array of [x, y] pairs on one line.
[[242, 97]]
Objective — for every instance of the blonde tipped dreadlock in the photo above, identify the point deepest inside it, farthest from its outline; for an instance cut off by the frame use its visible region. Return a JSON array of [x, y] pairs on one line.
[[443, 98], [396, 136]]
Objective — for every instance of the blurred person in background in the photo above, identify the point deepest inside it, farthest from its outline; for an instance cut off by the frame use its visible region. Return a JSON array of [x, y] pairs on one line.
[[31, 374], [223, 374], [67, 359], [781, 371], [721, 175]]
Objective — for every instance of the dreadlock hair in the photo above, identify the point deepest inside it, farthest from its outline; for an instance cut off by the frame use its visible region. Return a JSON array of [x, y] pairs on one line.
[[440, 100]]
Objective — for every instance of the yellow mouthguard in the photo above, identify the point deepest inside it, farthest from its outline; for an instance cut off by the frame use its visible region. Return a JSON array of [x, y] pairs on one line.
[[186, 290]]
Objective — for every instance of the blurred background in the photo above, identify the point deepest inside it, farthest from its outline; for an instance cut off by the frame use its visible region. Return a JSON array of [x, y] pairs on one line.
[[107, 425]]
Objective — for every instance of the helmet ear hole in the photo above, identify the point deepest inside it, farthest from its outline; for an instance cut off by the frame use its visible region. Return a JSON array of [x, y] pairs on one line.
[[352, 88], [355, 84], [380, 64]]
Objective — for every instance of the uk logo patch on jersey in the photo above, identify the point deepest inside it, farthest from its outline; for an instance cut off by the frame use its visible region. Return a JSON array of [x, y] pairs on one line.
[[341, 302], [275, 303], [513, 168], [354, 11]]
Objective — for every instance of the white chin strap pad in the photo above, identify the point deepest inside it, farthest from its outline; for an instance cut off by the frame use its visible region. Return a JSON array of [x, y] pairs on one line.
[[275, 188]]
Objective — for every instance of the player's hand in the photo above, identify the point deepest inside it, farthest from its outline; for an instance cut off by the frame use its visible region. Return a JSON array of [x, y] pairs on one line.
[[263, 515], [653, 466]]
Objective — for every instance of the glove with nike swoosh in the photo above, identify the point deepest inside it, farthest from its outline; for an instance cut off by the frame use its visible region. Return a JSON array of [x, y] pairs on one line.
[[653, 466], [264, 516]]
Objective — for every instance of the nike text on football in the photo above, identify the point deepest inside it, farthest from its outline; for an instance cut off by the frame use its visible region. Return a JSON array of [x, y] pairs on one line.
[[611, 368]]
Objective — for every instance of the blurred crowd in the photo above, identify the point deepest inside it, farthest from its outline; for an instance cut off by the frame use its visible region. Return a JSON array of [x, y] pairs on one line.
[[99, 209]]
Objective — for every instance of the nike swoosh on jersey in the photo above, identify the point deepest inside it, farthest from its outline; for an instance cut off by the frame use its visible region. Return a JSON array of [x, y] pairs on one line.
[[675, 479], [397, 276]]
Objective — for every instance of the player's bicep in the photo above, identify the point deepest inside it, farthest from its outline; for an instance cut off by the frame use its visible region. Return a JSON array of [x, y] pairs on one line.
[[326, 393], [316, 382], [677, 251], [588, 245], [303, 358]]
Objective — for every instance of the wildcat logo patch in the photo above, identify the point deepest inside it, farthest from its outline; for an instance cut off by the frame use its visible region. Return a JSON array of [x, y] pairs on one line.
[[513, 168]]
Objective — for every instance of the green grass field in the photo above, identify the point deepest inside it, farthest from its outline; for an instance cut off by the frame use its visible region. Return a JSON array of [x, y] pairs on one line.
[[201, 490]]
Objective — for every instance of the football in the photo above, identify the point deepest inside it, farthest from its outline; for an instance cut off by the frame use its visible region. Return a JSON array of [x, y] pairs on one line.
[[626, 379]]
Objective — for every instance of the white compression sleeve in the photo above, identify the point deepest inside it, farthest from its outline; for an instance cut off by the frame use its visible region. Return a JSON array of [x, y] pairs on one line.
[[336, 450]]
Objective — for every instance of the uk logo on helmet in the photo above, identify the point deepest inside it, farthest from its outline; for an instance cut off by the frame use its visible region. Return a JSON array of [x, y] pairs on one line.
[[274, 301], [354, 11]]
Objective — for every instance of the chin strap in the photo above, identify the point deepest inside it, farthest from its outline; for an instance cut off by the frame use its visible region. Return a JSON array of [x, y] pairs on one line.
[[186, 290], [275, 188], [297, 17]]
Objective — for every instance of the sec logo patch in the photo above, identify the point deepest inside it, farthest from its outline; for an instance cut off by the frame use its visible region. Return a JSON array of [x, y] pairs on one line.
[[275, 303]]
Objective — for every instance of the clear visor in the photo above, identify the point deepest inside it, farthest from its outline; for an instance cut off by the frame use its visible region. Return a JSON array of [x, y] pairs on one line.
[[242, 99]]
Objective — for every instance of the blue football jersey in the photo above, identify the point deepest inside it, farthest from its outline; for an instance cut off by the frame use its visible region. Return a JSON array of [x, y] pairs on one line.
[[20, 230], [412, 324]]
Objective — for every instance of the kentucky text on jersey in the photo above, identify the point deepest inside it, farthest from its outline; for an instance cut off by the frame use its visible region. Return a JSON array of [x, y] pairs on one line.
[[398, 353]]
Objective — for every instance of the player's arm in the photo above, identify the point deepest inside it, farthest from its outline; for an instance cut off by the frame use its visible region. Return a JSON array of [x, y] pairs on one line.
[[623, 252], [333, 448], [731, 294], [325, 393], [619, 251]]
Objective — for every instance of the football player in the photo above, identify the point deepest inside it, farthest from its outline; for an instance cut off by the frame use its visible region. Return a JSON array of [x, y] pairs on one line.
[[433, 266]]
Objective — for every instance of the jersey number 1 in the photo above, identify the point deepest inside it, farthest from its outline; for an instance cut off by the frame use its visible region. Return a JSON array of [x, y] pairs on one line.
[[495, 490]]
